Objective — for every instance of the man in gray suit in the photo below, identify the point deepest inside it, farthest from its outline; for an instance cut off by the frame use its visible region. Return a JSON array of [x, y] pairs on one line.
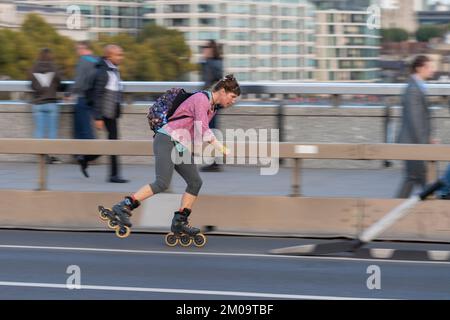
[[416, 126]]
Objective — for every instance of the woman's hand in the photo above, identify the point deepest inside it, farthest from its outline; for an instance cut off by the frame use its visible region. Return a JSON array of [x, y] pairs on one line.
[[222, 148]]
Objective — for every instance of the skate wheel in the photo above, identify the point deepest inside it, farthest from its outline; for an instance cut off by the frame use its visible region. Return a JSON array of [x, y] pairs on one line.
[[103, 216], [171, 240], [123, 232], [112, 224], [200, 240], [185, 240]]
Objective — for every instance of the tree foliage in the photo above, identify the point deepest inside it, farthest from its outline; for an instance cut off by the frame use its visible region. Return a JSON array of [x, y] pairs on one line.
[[155, 54], [427, 32], [394, 35]]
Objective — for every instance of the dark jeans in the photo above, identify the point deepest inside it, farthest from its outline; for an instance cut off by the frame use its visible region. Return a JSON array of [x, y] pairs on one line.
[[83, 120], [415, 174], [113, 134], [444, 192]]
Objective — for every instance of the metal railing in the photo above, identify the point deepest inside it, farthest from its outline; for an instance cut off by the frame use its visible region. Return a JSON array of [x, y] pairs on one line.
[[296, 151], [319, 88]]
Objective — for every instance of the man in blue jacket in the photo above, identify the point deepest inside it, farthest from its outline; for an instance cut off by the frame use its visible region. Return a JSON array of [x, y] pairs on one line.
[[106, 104]]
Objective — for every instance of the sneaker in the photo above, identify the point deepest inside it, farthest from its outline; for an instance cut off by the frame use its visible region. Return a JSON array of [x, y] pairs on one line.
[[83, 165], [53, 160], [116, 179], [212, 168]]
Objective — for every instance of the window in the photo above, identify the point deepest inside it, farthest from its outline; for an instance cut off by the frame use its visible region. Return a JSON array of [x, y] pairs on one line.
[[359, 18], [108, 10], [238, 23], [288, 75], [178, 8], [266, 23], [105, 23], [263, 10], [288, 37], [127, 23], [288, 63], [239, 63], [205, 35], [87, 9], [265, 36], [239, 36], [179, 22], [242, 76], [239, 9], [289, 12], [267, 63], [287, 24], [123, 11], [288, 50], [207, 22], [206, 8], [239, 50], [264, 49]]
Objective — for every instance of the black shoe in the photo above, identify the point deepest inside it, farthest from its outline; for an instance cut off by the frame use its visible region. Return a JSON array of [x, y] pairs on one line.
[[118, 180], [53, 160], [83, 166], [212, 168]]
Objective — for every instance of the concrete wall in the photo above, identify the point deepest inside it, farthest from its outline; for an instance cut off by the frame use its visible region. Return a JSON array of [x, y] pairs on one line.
[[306, 217], [302, 124]]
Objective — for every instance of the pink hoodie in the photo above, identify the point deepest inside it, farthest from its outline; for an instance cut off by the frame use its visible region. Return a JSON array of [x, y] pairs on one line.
[[197, 108]]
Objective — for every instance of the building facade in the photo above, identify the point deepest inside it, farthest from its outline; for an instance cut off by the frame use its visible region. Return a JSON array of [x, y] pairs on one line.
[[402, 15], [13, 14], [103, 16], [347, 49], [263, 40]]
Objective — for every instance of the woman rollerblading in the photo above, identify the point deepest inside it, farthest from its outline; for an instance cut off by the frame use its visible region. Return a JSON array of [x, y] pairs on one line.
[[194, 113]]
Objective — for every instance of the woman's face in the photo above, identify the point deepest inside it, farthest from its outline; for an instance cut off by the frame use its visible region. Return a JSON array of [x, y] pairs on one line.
[[226, 99], [207, 52]]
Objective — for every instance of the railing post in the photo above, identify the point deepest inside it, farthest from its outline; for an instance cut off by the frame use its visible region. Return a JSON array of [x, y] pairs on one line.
[[280, 125], [296, 178], [42, 172], [388, 128], [336, 100]]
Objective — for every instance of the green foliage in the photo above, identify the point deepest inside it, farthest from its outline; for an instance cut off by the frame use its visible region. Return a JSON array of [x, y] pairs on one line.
[[155, 54], [426, 33], [394, 35]]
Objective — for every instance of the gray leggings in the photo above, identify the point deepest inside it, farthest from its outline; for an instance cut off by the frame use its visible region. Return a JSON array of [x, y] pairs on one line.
[[162, 148]]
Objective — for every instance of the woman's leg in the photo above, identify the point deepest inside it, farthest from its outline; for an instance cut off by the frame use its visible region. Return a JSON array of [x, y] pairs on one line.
[[53, 120], [39, 121], [162, 147], [189, 173], [143, 193]]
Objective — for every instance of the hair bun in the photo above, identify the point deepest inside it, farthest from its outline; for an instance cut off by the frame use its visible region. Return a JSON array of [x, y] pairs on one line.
[[229, 77]]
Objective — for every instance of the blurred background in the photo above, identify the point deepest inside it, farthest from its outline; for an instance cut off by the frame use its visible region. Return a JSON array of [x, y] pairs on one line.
[[319, 73], [261, 40]]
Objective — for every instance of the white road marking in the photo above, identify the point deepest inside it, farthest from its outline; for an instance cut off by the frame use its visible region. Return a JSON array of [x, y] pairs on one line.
[[222, 254], [179, 291]]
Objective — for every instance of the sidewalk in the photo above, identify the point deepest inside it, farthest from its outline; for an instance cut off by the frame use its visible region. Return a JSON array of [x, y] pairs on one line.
[[377, 183]]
